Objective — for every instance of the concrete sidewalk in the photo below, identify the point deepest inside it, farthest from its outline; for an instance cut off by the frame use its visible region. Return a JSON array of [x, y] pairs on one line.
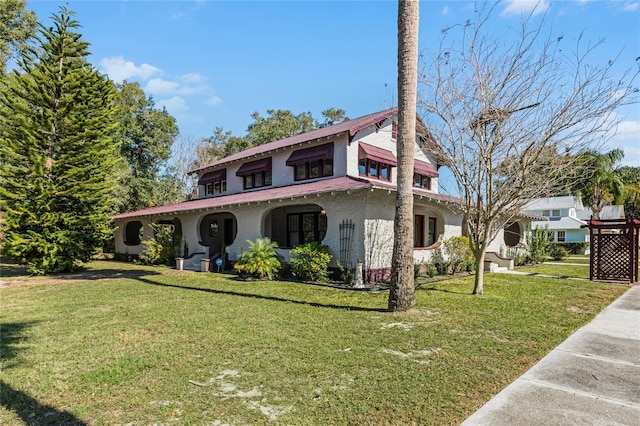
[[592, 378]]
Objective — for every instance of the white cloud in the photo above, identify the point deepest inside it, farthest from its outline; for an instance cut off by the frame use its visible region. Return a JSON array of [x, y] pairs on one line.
[[118, 69], [518, 7], [176, 105], [213, 101], [631, 6], [445, 10], [628, 130], [192, 77], [158, 86]]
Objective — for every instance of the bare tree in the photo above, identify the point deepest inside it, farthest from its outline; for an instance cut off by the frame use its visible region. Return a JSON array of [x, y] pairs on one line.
[[511, 118], [401, 295]]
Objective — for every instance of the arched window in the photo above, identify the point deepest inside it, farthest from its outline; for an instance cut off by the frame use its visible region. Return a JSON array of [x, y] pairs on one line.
[[290, 226], [133, 233]]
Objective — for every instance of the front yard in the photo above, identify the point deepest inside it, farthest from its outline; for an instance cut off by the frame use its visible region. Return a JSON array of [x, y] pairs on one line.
[[154, 346]]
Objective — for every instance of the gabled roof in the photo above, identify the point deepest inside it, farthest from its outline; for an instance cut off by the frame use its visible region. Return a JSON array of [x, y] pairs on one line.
[[608, 212], [344, 183], [351, 127], [554, 203]]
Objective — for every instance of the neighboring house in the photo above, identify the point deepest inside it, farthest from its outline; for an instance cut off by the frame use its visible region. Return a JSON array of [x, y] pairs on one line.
[[335, 185], [567, 217]]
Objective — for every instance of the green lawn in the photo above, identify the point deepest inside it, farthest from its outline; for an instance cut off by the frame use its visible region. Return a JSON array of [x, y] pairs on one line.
[[561, 270], [199, 348]]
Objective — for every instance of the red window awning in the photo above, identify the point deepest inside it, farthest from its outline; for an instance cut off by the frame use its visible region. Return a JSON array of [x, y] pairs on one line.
[[320, 152], [425, 169], [213, 177], [263, 165], [377, 154]]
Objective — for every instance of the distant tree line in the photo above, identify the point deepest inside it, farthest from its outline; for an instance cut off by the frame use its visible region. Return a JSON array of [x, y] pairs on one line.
[[77, 147]]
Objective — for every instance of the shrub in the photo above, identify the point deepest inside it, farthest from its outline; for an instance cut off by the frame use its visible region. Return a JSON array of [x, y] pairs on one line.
[[459, 253], [538, 241], [441, 265], [261, 260], [575, 248], [347, 275], [160, 250], [431, 271], [557, 252], [310, 262]]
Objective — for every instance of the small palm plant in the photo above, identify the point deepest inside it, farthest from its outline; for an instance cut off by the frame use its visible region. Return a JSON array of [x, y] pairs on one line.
[[261, 260]]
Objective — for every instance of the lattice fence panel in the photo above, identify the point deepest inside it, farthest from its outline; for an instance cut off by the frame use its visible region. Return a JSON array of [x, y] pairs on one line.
[[612, 257]]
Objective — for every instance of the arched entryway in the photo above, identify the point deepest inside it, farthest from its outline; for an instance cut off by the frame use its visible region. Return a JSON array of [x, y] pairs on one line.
[[512, 234], [217, 231], [290, 226], [176, 230]]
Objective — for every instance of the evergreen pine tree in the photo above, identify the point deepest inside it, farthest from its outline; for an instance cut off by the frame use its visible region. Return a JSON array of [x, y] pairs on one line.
[[57, 152]]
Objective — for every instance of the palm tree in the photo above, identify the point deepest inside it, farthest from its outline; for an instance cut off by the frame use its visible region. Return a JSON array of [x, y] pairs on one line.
[[401, 295], [601, 185]]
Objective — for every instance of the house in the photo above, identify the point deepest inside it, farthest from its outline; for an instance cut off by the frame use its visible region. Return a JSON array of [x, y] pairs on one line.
[[567, 217], [335, 185]]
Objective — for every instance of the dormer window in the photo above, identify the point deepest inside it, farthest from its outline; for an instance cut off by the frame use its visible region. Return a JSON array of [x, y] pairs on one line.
[[312, 163], [421, 181], [255, 174], [422, 174], [214, 182], [375, 162]]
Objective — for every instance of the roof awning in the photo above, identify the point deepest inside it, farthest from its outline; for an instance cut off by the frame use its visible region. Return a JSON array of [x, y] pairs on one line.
[[425, 169], [213, 176], [320, 152], [263, 165], [377, 154]]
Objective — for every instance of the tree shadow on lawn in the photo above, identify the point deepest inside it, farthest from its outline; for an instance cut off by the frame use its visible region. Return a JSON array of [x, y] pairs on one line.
[[259, 296], [30, 410]]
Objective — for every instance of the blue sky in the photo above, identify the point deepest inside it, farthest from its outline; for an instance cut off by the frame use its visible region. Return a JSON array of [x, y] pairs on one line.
[[214, 63]]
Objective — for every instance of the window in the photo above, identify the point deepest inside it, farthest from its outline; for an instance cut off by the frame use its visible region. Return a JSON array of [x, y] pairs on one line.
[[394, 130], [561, 236], [431, 232], [555, 213], [313, 169], [217, 187], [312, 163], [546, 213], [421, 181], [305, 227], [374, 169], [375, 162], [255, 174], [133, 233], [214, 182]]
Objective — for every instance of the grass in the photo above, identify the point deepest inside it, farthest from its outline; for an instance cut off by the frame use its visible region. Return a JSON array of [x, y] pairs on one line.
[[151, 347], [560, 270]]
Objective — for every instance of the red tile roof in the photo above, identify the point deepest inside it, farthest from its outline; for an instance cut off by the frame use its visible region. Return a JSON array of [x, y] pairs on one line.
[[344, 183], [350, 126]]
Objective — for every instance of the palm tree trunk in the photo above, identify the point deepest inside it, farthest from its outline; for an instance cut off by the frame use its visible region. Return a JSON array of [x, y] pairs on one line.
[[401, 295]]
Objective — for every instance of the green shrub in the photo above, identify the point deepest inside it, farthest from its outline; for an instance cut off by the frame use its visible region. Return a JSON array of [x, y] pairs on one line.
[[310, 262], [261, 260], [557, 252], [575, 248], [441, 265], [459, 253], [160, 250], [431, 271], [538, 241]]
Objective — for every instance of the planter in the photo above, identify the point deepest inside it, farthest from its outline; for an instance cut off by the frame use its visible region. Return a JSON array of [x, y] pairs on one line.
[[204, 265], [180, 263]]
